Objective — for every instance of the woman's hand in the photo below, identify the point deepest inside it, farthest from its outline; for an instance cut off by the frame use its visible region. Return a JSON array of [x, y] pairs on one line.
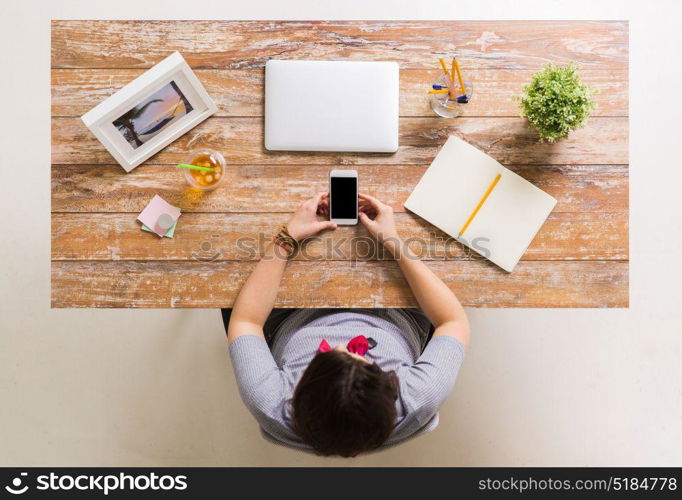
[[304, 223], [379, 221]]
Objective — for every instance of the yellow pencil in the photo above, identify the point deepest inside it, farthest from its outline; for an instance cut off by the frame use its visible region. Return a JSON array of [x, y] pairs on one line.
[[480, 204], [452, 70], [459, 77], [441, 91], [445, 68], [447, 74]]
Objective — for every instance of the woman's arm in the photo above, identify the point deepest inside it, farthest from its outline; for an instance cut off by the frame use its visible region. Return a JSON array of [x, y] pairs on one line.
[[257, 296], [437, 301]]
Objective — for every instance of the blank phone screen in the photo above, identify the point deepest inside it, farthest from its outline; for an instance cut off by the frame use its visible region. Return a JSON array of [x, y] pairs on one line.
[[344, 197]]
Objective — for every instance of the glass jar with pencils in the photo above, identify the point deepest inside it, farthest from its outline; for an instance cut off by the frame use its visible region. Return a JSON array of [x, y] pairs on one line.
[[450, 94]]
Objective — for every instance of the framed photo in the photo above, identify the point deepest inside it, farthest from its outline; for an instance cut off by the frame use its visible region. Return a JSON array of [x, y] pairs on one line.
[[150, 112]]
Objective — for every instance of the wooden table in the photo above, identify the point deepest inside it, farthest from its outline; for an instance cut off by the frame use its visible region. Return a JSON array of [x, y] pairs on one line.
[[100, 257]]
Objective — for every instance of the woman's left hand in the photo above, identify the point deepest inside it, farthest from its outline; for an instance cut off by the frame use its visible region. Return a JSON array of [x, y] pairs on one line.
[[304, 223]]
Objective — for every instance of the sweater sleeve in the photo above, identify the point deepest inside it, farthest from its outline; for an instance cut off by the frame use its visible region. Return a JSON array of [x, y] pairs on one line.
[[259, 379], [430, 379]]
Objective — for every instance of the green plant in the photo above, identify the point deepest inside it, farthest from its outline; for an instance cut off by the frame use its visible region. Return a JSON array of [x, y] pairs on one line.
[[555, 102]]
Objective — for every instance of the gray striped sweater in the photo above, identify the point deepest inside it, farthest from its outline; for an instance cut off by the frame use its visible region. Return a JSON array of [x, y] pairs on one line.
[[267, 378]]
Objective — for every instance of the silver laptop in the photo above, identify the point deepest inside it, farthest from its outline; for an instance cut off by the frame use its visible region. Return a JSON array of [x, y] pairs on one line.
[[331, 106]]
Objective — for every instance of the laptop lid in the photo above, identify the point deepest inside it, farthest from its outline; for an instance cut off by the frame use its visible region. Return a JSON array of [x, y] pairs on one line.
[[331, 106]]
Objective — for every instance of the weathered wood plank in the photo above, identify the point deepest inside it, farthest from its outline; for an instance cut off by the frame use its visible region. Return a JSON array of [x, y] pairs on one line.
[[255, 188], [508, 140], [240, 92], [337, 284], [414, 44], [565, 236]]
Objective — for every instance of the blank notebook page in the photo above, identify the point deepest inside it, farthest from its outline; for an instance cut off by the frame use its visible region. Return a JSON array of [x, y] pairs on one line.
[[509, 219], [454, 184]]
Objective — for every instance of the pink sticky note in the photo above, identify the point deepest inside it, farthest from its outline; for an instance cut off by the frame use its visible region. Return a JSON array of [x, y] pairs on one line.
[[150, 215]]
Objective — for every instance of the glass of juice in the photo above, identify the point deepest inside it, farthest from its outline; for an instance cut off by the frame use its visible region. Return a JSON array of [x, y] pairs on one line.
[[204, 179]]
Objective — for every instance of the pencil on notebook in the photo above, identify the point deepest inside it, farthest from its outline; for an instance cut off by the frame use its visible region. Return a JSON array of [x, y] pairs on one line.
[[480, 204]]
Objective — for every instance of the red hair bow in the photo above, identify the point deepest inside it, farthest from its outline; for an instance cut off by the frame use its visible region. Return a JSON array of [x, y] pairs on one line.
[[357, 345]]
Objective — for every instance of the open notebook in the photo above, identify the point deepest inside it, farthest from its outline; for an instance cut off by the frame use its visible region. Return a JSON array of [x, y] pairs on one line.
[[462, 179]]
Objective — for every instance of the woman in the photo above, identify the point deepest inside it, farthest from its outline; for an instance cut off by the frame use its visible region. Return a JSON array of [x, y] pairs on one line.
[[388, 372]]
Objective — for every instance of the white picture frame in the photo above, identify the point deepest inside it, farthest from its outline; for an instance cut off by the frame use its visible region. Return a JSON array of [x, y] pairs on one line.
[[150, 112]]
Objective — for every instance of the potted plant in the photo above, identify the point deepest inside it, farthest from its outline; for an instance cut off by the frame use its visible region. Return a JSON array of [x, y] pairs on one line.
[[555, 102]]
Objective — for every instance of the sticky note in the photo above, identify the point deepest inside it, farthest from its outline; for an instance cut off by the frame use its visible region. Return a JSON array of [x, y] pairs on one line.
[[155, 208], [169, 234]]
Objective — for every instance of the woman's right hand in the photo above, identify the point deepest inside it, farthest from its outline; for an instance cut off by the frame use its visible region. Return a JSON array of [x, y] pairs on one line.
[[378, 219]]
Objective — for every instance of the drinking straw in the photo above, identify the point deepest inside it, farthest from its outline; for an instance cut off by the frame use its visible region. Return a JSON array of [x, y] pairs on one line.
[[194, 167], [459, 77]]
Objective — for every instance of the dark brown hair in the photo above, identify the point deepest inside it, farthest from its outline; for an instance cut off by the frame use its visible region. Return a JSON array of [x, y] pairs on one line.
[[344, 406]]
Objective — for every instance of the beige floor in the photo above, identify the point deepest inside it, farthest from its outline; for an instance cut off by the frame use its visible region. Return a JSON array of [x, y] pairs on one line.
[[539, 387]]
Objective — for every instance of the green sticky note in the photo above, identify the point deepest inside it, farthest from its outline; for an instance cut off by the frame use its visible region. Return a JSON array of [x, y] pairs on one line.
[[170, 232]]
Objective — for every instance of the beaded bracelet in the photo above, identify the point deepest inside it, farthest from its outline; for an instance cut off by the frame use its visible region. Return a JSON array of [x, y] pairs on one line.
[[285, 240]]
